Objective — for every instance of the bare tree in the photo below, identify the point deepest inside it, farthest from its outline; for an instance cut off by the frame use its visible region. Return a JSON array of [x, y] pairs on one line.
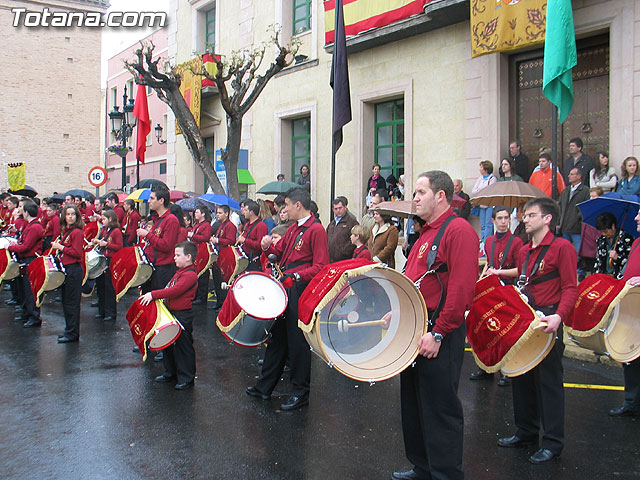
[[240, 72]]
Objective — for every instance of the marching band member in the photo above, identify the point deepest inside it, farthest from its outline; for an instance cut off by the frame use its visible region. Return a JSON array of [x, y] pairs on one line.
[[254, 230], [224, 237], [52, 229], [28, 247], [71, 248], [444, 261], [302, 253], [131, 223], [111, 202], [547, 269], [110, 241], [201, 233], [4, 209], [176, 210], [180, 357]]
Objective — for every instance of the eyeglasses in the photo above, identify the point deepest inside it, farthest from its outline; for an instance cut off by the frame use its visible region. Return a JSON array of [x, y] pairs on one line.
[[530, 215]]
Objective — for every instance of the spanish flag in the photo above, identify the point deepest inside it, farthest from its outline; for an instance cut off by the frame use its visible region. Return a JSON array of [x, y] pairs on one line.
[[363, 15], [209, 64]]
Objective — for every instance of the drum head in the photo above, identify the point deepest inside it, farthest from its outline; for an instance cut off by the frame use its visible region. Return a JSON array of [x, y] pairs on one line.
[[13, 270], [250, 331], [55, 279], [98, 267], [260, 295], [622, 337], [370, 330], [530, 354], [144, 274], [164, 336]]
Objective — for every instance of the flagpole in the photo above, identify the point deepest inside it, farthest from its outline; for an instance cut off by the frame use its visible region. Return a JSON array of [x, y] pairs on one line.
[[333, 180], [137, 171], [554, 152]]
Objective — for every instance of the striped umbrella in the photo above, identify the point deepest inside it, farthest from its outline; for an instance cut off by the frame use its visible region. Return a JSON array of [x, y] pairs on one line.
[[140, 195]]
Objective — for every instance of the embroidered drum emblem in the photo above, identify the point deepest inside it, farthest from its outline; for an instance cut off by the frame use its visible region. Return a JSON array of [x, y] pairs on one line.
[[493, 324], [593, 295]]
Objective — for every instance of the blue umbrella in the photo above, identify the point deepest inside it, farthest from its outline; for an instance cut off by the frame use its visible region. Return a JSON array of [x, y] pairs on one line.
[[220, 200], [190, 204], [624, 207]]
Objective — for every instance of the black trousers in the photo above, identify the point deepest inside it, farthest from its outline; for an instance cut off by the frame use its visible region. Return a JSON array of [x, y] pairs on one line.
[[632, 385], [287, 341], [217, 285], [180, 358], [25, 295], [107, 306], [538, 400], [432, 420], [203, 287], [162, 275], [71, 296]]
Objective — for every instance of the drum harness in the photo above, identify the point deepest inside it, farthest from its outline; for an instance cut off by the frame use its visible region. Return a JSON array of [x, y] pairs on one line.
[[431, 258], [505, 253], [293, 245], [525, 280], [256, 256]]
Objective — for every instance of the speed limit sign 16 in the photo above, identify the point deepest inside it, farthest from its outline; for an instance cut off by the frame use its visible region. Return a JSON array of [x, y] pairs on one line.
[[97, 176]]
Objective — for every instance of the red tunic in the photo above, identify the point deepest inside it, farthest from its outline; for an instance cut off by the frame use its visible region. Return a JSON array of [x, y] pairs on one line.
[[182, 235], [30, 242], [201, 232], [19, 224], [4, 213], [226, 234], [162, 239], [459, 251], [120, 214], [73, 251], [562, 290], [633, 263], [501, 244], [113, 236], [253, 233], [53, 227], [312, 250], [181, 291], [88, 212], [362, 252], [131, 223]]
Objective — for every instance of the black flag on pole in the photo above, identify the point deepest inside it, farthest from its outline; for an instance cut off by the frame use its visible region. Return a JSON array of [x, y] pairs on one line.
[[339, 80]]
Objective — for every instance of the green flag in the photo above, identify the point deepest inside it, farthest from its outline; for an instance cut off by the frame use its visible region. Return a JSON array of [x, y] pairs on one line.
[[559, 56]]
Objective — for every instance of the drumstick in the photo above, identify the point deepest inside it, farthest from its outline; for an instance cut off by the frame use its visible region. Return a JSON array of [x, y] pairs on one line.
[[484, 270], [344, 326]]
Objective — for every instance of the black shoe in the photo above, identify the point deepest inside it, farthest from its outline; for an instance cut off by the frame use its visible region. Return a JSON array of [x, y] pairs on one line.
[[295, 402], [623, 411], [135, 349], [98, 316], [184, 386], [65, 339], [542, 455], [197, 301], [504, 381], [408, 475], [19, 318], [164, 378], [32, 323], [159, 356], [254, 392], [58, 299], [109, 318], [261, 362], [11, 301], [94, 304], [480, 375], [514, 441]]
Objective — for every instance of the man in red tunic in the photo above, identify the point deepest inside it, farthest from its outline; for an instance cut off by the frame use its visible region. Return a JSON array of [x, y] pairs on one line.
[[131, 223], [432, 419], [301, 254], [631, 405], [254, 230], [111, 202], [547, 269], [225, 237], [501, 250]]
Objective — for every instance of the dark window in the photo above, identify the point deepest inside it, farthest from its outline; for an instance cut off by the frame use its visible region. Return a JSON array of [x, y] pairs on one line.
[[389, 137]]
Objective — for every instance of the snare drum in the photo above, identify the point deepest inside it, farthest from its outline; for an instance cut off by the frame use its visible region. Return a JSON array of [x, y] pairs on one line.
[[206, 256], [152, 324], [96, 263], [12, 269], [232, 261], [503, 330], [262, 299], [45, 273], [130, 267], [6, 242], [166, 330], [366, 320]]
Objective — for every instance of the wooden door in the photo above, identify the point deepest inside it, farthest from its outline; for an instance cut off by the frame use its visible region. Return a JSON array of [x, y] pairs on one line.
[[530, 111]]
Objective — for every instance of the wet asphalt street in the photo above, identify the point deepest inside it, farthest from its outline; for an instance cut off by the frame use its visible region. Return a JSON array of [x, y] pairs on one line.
[[91, 410]]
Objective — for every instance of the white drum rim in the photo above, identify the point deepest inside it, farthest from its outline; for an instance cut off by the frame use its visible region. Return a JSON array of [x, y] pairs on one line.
[[550, 341], [613, 351]]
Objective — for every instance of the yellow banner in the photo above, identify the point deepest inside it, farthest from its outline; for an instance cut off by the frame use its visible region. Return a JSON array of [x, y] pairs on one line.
[[503, 25], [17, 175], [191, 87]]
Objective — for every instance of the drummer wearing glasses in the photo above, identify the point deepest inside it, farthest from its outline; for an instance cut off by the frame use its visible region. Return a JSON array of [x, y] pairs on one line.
[[432, 420], [547, 275]]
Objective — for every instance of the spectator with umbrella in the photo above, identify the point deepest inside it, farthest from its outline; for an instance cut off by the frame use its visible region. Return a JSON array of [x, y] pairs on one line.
[[612, 247]]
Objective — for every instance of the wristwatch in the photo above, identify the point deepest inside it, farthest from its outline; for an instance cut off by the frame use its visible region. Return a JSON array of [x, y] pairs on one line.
[[297, 276], [437, 336]]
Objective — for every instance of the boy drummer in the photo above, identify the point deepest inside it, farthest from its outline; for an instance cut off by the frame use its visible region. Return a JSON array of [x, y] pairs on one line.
[[180, 357]]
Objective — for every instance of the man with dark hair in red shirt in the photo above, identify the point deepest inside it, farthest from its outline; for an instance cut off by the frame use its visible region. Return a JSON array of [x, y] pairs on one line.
[[131, 223], [111, 202], [432, 419], [301, 254], [252, 234], [180, 357], [224, 237], [546, 267], [29, 246]]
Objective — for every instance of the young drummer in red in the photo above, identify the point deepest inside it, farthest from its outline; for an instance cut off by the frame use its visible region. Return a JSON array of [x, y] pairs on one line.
[[110, 241], [180, 357], [547, 269], [252, 235], [201, 233], [71, 248], [359, 237]]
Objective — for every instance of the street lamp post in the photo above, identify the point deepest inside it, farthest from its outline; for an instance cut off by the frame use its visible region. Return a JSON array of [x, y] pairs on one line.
[[122, 125]]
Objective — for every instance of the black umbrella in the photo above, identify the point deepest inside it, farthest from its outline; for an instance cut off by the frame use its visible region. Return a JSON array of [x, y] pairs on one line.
[[57, 198], [150, 183], [27, 191], [82, 193]]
